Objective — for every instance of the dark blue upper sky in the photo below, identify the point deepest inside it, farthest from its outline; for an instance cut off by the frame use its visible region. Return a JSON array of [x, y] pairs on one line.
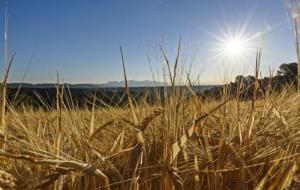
[[80, 38]]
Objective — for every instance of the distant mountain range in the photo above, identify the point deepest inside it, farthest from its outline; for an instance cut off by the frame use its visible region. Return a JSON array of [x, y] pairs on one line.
[[132, 83], [110, 84]]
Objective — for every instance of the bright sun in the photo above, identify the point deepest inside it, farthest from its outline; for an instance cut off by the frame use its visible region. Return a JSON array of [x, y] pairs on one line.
[[234, 47]]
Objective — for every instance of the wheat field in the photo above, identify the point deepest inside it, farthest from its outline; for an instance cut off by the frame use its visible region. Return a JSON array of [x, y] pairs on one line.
[[176, 142]]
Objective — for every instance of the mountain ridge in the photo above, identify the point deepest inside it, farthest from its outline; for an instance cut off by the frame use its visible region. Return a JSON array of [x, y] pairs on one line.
[[109, 84]]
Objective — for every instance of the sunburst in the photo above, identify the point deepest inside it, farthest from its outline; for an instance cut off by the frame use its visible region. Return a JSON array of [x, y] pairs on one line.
[[236, 46]]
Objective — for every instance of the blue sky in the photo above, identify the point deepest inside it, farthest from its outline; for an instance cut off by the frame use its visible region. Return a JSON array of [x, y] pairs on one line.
[[80, 38]]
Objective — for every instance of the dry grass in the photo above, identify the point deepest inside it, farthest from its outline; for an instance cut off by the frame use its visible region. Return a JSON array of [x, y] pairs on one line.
[[175, 144]]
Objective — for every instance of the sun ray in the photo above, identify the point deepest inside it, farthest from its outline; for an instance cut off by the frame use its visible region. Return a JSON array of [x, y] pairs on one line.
[[236, 45]]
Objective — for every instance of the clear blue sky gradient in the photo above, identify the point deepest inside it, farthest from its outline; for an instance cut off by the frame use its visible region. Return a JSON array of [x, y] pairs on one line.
[[80, 39]]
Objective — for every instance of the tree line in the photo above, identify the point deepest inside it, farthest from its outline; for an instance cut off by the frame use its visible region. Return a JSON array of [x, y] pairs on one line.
[[243, 86]]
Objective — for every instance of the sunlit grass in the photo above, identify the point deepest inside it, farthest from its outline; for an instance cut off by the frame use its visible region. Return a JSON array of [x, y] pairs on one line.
[[177, 141]]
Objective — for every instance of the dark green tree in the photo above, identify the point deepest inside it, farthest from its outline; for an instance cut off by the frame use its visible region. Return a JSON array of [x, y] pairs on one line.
[[288, 69]]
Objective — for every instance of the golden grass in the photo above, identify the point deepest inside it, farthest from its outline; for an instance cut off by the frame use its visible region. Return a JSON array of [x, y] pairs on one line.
[[182, 148], [176, 142]]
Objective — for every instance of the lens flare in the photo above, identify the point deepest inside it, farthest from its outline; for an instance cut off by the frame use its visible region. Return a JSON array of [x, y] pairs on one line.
[[236, 47]]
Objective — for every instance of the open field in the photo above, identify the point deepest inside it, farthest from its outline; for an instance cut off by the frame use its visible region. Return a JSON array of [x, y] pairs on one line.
[[175, 135], [244, 135], [180, 143]]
